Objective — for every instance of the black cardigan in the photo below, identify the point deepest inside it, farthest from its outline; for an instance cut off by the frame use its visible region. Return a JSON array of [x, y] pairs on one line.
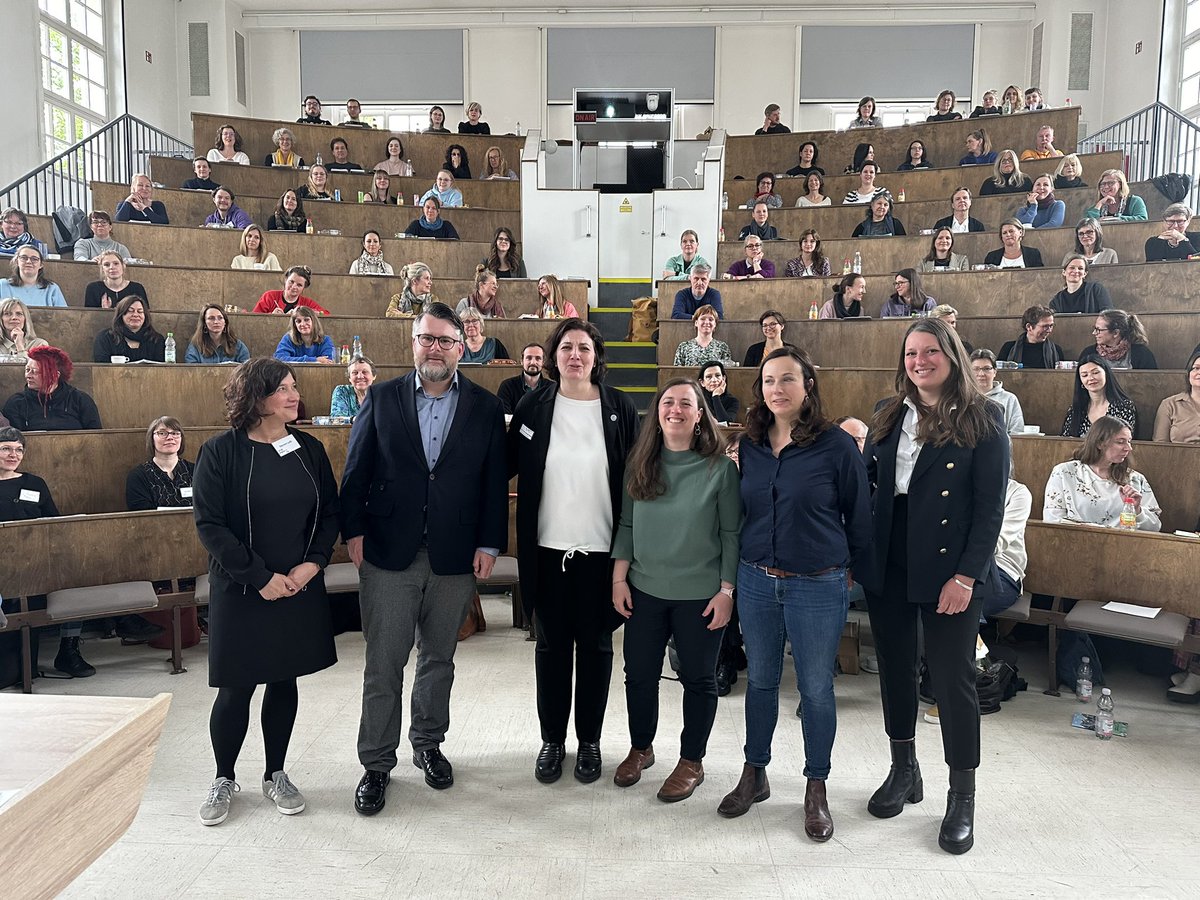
[[1090, 298], [973, 224], [1031, 255], [67, 409]]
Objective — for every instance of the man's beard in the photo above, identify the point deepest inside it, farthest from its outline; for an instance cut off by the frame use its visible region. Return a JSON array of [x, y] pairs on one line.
[[433, 371]]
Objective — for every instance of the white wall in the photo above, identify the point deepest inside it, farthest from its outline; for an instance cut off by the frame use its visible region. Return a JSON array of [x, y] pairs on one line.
[[273, 94], [22, 106], [153, 87], [1131, 79], [222, 16]]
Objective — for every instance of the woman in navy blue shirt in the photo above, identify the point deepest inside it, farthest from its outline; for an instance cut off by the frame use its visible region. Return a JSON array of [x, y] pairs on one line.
[[807, 517]]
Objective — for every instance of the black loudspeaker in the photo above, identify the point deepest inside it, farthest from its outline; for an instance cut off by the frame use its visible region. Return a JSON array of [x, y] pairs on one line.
[[644, 169]]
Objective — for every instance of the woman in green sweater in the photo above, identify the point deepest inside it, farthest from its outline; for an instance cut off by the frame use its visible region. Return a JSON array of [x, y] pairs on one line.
[[675, 557]]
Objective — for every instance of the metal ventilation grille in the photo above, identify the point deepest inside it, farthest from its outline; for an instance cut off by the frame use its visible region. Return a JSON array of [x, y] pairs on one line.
[[198, 59], [1035, 63], [239, 66], [1079, 73]]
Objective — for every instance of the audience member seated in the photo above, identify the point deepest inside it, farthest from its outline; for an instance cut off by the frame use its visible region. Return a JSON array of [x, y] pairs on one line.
[[979, 149], [1041, 209], [511, 390], [27, 280], [49, 402], [863, 153], [1078, 294], [347, 399], [496, 167], [847, 299], [312, 112], [808, 162], [101, 239], [296, 281], [317, 186], [476, 347], [504, 256], [866, 117], [289, 214], [1121, 340], [371, 262], [856, 428], [473, 125], [444, 190], [17, 335], [679, 268], [941, 256], [437, 121], [908, 298], [416, 294], [987, 106], [15, 231], [113, 286], [867, 190], [353, 111], [703, 347], [1034, 349], [1010, 555], [253, 253], [1097, 394], [758, 226], [1089, 243], [1033, 100], [456, 162], [284, 155], [341, 157], [983, 365], [699, 295], [393, 161], [1113, 200], [1094, 485], [140, 205], [1175, 242], [227, 214], [949, 315], [879, 221], [305, 341], [227, 149], [131, 336], [555, 306], [430, 223], [944, 107], [165, 478], [814, 195], [916, 158], [1069, 173], [203, 180], [772, 324], [960, 220], [1044, 147], [1012, 255], [214, 341], [811, 261], [1013, 100], [765, 191], [485, 298], [754, 265], [1178, 416], [1007, 177], [771, 123], [381, 189], [722, 405]]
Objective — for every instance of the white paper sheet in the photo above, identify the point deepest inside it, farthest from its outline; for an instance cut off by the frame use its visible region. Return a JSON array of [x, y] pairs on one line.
[[1131, 609]]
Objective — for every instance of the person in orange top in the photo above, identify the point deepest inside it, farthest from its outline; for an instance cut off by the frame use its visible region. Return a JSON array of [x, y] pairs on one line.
[[1045, 148], [295, 281]]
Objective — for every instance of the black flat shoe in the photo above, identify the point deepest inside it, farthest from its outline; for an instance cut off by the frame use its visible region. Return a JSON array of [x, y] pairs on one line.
[[587, 762], [369, 795], [439, 774], [135, 629], [548, 768]]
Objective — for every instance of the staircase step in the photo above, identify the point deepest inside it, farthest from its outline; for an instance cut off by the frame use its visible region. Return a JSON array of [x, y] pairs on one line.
[[630, 375], [613, 323], [630, 352], [641, 396]]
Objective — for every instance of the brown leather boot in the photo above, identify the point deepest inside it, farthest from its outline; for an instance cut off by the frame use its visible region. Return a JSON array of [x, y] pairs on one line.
[[470, 623], [682, 783], [477, 612], [752, 788], [629, 772], [818, 824]]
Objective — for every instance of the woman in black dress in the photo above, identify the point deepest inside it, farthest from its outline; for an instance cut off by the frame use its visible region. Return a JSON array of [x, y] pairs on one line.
[[266, 511]]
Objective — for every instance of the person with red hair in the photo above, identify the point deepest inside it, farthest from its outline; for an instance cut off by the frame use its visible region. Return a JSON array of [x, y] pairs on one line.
[[49, 402]]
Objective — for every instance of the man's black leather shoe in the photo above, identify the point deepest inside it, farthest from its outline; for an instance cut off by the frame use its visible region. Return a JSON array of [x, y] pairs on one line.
[[438, 773], [587, 762], [549, 762], [369, 795]]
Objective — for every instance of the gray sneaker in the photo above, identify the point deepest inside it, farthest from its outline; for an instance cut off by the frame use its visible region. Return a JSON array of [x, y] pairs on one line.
[[288, 800], [216, 808]]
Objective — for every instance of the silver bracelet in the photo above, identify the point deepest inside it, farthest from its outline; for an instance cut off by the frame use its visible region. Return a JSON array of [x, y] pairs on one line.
[[964, 586]]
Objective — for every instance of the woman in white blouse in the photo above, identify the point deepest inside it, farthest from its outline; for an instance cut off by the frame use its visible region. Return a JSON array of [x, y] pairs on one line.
[[815, 193], [228, 147], [1092, 488]]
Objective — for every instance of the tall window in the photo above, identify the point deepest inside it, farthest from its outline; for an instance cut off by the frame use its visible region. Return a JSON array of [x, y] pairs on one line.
[[1189, 63], [71, 35]]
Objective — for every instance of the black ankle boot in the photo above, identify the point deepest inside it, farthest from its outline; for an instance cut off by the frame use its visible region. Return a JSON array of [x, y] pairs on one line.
[[902, 784], [69, 661], [958, 827]]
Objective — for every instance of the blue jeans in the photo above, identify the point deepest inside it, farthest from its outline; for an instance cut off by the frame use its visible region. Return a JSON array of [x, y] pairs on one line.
[[810, 611]]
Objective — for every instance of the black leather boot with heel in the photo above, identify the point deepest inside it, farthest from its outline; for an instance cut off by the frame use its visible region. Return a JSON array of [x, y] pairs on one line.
[[903, 783], [958, 827]]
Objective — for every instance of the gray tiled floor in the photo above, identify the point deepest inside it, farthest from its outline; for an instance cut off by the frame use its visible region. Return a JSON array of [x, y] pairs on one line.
[[1060, 813]]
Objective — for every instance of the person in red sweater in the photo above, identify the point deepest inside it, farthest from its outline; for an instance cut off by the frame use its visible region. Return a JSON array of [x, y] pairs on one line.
[[295, 281]]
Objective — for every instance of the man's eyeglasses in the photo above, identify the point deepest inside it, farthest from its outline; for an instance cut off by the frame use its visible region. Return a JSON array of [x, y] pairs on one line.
[[1176, 223], [1100, 330], [428, 340]]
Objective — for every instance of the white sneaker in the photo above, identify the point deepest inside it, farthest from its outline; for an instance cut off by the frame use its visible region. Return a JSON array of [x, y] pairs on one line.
[[288, 799], [869, 663], [215, 809], [931, 715]]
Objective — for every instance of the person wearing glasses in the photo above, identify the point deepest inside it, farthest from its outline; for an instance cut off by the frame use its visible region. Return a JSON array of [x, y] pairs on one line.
[[27, 280], [908, 297], [165, 477], [1089, 243], [1114, 201], [1034, 349], [14, 233], [772, 324], [101, 240], [1175, 241], [983, 368], [754, 265], [1121, 340]]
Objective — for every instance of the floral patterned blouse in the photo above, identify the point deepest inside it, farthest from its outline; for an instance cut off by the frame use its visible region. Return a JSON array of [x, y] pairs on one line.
[[690, 353], [1075, 493]]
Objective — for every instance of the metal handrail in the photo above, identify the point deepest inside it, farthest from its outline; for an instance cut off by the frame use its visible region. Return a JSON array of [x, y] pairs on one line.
[[1155, 141], [114, 153]]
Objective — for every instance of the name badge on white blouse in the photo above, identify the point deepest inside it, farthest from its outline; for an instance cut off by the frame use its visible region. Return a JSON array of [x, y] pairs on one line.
[[286, 445], [186, 493], [31, 496]]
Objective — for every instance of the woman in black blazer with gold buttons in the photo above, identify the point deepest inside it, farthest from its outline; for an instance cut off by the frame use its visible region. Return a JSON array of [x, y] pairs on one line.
[[938, 458]]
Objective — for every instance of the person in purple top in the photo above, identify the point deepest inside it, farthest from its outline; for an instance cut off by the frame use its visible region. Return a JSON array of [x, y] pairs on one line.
[[228, 214]]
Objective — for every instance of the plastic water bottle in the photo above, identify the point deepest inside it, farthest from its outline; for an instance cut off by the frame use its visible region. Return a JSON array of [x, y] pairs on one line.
[[1128, 521], [1007, 108], [320, 162], [308, 225], [345, 354], [721, 235], [857, 263], [1104, 715], [169, 354], [900, 196], [1083, 681], [356, 348], [813, 311], [724, 200]]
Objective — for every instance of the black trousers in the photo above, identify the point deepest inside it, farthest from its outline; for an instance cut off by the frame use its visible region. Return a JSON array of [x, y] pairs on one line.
[[575, 621], [653, 622], [949, 653]]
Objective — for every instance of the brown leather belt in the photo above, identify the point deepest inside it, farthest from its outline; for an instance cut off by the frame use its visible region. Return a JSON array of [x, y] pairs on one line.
[[780, 573]]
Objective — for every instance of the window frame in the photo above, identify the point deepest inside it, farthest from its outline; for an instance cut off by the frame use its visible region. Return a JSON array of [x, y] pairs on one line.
[[81, 119], [1188, 41]]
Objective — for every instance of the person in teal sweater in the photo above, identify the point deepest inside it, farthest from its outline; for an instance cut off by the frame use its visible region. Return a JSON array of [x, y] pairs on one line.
[[675, 557], [1114, 201]]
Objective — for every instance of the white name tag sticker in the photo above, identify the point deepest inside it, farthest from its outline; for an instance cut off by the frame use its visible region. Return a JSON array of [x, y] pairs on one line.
[[527, 432], [185, 493], [31, 496], [286, 445]]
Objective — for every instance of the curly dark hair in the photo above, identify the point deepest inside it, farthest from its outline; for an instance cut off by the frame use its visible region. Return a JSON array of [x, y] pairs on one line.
[[249, 385], [556, 338]]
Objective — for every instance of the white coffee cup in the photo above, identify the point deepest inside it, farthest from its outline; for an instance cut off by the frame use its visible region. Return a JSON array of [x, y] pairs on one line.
[[118, 360], [1032, 429]]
